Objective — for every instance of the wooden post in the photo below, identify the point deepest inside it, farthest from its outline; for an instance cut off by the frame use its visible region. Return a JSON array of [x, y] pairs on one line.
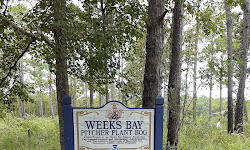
[[68, 123], [159, 110]]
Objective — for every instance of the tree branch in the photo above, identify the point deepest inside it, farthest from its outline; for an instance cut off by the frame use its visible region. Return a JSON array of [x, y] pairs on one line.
[[163, 15], [40, 35], [15, 63], [6, 7]]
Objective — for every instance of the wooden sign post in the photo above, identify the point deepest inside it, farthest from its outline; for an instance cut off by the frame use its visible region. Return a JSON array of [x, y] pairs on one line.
[[113, 127]]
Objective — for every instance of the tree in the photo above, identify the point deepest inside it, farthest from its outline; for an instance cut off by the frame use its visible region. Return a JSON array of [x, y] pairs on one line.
[[62, 86], [238, 122], [174, 85], [229, 69], [154, 51]]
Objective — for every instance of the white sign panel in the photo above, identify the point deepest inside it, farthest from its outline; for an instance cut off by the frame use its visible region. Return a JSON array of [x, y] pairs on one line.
[[113, 127]]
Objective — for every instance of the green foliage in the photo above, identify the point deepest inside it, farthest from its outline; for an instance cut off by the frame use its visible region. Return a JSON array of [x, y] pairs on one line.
[[14, 133], [204, 135]]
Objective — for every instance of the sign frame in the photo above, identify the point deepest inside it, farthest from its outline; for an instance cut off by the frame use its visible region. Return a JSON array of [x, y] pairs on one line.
[[69, 125]]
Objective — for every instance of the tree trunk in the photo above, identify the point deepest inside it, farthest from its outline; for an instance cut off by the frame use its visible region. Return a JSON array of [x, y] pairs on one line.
[[245, 111], [100, 99], [194, 76], [91, 95], [230, 69], [41, 104], [86, 94], [154, 49], [220, 109], [238, 122], [107, 92], [112, 92], [186, 90], [18, 106], [23, 108], [62, 85], [210, 96], [22, 81], [119, 78], [51, 98], [195, 67], [74, 91], [174, 86]]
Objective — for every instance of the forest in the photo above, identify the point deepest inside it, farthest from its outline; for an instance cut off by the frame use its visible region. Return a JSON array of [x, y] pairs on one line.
[[193, 53]]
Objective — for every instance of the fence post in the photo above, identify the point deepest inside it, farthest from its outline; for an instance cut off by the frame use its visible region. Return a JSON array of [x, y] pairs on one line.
[[68, 123], [159, 109]]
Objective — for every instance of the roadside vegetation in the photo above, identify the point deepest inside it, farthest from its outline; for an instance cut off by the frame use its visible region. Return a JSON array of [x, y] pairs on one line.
[[200, 135]]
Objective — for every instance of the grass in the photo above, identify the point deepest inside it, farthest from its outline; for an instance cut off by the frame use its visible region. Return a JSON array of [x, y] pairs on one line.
[[14, 134], [202, 135]]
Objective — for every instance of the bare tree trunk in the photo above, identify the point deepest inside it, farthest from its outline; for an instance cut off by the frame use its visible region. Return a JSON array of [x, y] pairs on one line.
[[119, 78], [112, 91], [41, 103], [91, 95], [51, 98], [195, 69], [62, 85], [245, 110], [238, 122], [23, 108], [107, 92], [230, 69], [220, 109], [154, 51], [74, 91], [86, 94], [100, 99], [19, 107], [174, 84], [22, 81], [186, 89], [210, 96]]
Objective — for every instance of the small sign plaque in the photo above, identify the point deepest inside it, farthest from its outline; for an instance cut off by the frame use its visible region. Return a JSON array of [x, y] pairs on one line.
[[113, 127]]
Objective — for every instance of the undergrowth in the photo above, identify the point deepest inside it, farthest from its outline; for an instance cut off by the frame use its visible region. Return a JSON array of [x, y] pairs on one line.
[[202, 135], [14, 133]]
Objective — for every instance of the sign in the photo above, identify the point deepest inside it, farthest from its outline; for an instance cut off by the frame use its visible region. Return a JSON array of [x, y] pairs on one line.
[[113, 126]]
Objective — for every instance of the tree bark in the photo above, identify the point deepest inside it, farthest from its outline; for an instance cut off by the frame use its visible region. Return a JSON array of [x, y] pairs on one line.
[[112, 92], [18, 106], [154, 49], [51, 98], [62, 85], [238, 122], [229, 69], [100, 99], [245, 111], [74, 91], [119, 78], [86, 94], [195, 72], [220, 107], [41, 103], [174, 85], [91, 95], [210, 96], [107, 92], [22, 81]]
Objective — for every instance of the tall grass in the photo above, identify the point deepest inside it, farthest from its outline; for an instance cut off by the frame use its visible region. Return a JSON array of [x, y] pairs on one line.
[[14, 134], [204, 135]]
